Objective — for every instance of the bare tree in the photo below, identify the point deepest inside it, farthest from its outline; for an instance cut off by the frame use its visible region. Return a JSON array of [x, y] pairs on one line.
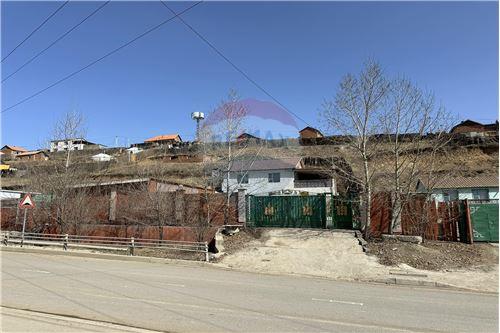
[[355, 114], [70, 126], [228, 121], [416, 129]]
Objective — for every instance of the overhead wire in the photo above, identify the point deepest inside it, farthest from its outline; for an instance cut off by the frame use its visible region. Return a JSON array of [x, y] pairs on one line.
[[57, 40], [230, 62], [36, 29], [101, 58]]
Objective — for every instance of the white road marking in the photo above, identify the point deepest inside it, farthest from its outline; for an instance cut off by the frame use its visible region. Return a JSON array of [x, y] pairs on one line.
[[36, 271], [335, 301]]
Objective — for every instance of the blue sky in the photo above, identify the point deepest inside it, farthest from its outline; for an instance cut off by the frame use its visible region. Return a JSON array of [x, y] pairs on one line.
[[297, 51]]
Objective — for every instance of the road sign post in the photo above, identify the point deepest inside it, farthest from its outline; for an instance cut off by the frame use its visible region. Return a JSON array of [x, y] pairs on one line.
[[26, 203]]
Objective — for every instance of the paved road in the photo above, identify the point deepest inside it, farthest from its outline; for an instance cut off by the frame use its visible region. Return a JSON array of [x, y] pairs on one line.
[[168, 297]]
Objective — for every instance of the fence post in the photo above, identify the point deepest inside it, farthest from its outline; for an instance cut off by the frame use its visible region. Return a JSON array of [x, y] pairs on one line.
[[65, 243], [131, 247], [6, 238], [207, 258]]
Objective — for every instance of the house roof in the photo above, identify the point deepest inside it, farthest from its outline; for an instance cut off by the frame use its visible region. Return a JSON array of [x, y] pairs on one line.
[[15, 148], [164, 138], [472, 123], [467, 182], [266, 164], [247, 136], [133, 181], [311, 129], [29, 153]]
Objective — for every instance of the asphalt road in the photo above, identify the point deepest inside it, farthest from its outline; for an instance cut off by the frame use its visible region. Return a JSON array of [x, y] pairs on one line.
[[169, 297]]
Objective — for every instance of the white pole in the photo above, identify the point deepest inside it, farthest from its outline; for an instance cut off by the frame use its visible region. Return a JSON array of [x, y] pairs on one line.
[[24, 227]]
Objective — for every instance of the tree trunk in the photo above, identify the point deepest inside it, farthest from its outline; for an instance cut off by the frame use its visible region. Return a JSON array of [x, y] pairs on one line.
[[368, 198]]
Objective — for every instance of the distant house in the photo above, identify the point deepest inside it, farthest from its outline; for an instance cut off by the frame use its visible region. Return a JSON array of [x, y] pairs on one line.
[[474, 129], [12, 150], [277, 176], [36, 155], [310, 133], [460, 188], [102, 157], [134, 150], [72, 144], [168, 140], [246, 137]]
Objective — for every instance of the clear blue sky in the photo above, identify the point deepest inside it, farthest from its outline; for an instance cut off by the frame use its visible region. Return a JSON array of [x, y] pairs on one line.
[[296, 51]]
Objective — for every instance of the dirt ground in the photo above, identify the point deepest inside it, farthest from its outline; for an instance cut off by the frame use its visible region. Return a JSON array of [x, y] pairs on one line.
[[435, 255], [338, 255]]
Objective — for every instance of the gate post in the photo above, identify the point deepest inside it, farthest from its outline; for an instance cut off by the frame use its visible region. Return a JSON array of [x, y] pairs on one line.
[[329, 210], [242, 213]]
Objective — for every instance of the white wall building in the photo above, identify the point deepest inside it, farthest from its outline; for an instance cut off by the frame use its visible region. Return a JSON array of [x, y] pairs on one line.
[[72, 144], [275, 177], [461, 188]]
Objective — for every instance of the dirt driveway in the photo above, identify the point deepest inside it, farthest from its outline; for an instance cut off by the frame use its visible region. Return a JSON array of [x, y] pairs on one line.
[[336, 255]]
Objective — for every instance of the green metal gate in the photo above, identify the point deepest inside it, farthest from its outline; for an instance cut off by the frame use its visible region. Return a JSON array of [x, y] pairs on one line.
[[286, 211], [484, 219], [341, 210]]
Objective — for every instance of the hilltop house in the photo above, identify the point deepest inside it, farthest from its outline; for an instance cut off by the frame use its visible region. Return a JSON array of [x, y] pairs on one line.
[[475, 129], [72, 144], [277, 176], [460, 188], [11, 151], [36, 155], [168, 140], [310, 133]]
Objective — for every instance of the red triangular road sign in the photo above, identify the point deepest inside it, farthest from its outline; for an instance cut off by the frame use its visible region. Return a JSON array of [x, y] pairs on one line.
[[27, 202]]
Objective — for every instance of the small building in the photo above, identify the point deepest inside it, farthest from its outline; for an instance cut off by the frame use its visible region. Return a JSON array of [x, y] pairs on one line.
[[102, 157], [460, 188], [246, 137], [11, 151], [277, 177], [134, 150], [310, 133], [168, 140], [474, 129], [36, 155], [72, 144]]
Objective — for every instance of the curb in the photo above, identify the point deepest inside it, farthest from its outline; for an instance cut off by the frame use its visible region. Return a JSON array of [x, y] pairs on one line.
[[422, 283], [106, 256]]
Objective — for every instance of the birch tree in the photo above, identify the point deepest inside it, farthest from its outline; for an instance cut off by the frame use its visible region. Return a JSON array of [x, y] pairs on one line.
[[416, 130], [70, 126], [354, 113]]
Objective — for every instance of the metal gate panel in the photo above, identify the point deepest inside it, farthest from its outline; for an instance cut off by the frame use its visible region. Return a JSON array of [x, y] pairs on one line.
[[484, 218], [341, 210], [287, 211]]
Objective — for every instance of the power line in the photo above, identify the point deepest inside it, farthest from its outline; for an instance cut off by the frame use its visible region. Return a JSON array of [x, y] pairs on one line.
[[57, 40], [101, 58], [232, 63], [37, 28]]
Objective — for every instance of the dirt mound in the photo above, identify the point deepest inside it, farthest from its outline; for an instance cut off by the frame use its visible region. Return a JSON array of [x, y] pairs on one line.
[[435, 256]]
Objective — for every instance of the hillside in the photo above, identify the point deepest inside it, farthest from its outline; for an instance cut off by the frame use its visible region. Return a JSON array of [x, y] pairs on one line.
[[186, 166]]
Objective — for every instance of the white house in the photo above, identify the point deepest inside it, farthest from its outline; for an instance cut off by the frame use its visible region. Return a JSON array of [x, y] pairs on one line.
[[72, 144], [277, 177], [460, 188], [102, 157]]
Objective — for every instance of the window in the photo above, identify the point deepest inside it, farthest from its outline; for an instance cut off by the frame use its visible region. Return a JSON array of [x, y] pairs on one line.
[[450, 195], [242, 178], [274, 177], [480, 193]]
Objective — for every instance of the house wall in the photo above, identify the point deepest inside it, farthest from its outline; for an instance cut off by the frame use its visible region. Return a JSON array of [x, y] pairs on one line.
[[63, 145], [465, 193], [258, 183]]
